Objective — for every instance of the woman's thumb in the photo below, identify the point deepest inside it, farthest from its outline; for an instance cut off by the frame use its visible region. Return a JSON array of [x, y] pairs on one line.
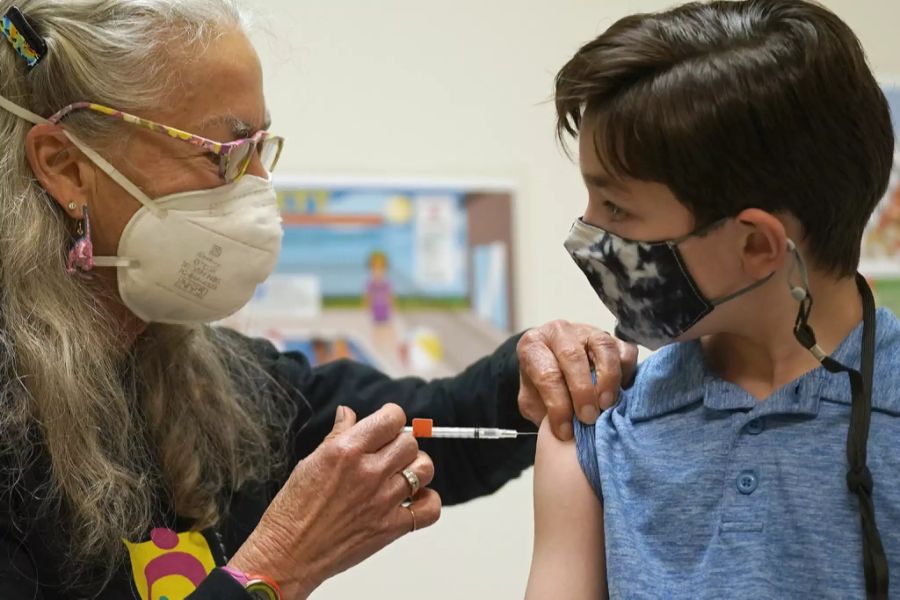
[[344, 419]]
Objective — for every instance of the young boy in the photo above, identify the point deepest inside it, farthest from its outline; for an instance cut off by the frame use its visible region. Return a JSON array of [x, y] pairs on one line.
[[752, 138]]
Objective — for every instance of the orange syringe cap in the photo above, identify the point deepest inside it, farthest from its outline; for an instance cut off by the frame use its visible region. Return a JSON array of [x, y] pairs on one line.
[[422, 427]]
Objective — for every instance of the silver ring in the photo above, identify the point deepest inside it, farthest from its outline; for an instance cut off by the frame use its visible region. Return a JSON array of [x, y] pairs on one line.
[[415, 523], [413, 480]]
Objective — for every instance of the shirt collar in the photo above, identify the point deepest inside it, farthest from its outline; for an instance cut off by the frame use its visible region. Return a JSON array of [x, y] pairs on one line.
[[676, 377], [885, 387]]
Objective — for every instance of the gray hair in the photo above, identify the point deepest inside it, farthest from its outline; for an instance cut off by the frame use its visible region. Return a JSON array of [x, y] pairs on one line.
[[115, 425], [120, 52]]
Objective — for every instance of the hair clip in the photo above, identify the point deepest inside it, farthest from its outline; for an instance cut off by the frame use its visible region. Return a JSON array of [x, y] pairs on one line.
[[23, 38]]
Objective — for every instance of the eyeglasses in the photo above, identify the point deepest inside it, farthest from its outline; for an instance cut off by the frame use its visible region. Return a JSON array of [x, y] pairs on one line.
[[234, 157]]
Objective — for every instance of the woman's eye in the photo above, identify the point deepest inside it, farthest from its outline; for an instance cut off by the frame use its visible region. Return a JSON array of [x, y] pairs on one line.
[[214, 158]]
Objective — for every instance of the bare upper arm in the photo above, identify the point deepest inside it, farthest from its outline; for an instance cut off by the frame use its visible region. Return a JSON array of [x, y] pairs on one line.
[[569, 560]]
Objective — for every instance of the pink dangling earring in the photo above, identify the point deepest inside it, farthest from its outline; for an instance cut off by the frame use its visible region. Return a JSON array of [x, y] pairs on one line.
[[81, 254]]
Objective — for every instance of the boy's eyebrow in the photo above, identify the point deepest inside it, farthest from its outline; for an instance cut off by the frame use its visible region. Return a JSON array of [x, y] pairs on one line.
[[599, 181]]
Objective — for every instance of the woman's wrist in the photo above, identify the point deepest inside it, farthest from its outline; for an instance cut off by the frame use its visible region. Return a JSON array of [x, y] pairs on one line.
[[260, 587], [239, 576], [251, 559]]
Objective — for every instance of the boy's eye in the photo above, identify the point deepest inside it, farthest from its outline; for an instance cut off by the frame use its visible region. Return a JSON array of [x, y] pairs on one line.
[[615, 212]]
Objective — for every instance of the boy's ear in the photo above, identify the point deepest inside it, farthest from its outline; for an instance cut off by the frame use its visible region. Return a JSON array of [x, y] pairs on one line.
[[60, 168], [764, 243]]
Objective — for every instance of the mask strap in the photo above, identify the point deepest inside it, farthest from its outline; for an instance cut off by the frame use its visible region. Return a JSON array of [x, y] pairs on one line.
[[802, 331], [743, 290], [116, 176], [105, 166], [859, 477], [703, 231], [22, 113], [115, 261], [798, 292]]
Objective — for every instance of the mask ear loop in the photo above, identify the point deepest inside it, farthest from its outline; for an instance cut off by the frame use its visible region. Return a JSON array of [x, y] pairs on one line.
[[96, 261], [114, 174], [802, 331], [105, 261], [798, 292], [105, 166], [23, 113]]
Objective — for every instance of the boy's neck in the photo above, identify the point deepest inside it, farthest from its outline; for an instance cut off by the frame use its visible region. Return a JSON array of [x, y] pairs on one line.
[[765, 356]]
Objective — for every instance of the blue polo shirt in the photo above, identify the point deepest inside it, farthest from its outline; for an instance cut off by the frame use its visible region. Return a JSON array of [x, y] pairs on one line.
[[710, 493]]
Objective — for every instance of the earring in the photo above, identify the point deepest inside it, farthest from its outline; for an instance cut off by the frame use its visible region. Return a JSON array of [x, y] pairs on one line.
[[72, 206], [81, 254]]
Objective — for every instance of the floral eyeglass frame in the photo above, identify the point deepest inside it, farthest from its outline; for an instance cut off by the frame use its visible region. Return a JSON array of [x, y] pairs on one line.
[[235, 157]]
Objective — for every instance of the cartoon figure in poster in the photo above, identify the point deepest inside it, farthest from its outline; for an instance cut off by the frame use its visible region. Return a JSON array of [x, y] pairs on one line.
[[379, 294], [379, 300]]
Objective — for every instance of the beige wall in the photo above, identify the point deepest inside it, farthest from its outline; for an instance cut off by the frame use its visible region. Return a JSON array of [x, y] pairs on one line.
[[461, 89]]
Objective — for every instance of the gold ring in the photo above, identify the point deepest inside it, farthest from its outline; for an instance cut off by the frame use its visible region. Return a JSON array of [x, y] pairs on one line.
[[413, 480], [415, 523]]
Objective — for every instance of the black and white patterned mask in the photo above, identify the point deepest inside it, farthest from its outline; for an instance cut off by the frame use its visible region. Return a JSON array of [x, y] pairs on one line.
[[646, 285]]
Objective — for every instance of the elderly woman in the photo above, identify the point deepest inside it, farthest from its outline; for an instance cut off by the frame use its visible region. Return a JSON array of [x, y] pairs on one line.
[[145, 454]]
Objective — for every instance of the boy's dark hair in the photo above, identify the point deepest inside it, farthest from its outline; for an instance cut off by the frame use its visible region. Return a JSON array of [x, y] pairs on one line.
[[757, 104]]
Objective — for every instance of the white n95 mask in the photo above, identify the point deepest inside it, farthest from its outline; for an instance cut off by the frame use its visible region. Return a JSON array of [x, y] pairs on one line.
[[194, 257]]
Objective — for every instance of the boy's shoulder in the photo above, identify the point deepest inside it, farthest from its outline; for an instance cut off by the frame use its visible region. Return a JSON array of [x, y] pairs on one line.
[[886, 386], [671, 378], [886, 381], [888, 333]]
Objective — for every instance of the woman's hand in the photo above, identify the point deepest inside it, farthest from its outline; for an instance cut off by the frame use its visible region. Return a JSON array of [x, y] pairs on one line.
[[342, 504], [555, 362]]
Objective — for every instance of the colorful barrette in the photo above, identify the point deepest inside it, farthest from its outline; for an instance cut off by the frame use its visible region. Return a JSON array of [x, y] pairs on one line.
[[23, 38]]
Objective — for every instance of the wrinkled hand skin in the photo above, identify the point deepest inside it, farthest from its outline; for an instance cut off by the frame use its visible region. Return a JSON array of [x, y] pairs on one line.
[[555, 363], [341, 504]]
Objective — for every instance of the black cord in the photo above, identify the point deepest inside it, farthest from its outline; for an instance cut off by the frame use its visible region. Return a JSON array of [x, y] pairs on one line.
[[859, 478]]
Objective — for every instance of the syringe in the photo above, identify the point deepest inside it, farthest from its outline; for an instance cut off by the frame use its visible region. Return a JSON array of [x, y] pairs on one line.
[[423, 428]]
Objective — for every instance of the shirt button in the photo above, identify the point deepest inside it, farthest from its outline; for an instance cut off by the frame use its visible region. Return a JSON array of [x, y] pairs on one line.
[[747, 482], [755, 427]]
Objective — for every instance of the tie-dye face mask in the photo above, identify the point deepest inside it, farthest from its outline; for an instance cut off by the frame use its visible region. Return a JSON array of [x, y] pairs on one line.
[[646, 285]]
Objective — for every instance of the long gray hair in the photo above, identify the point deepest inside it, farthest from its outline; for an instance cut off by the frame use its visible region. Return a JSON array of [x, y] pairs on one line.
[[115, 425]]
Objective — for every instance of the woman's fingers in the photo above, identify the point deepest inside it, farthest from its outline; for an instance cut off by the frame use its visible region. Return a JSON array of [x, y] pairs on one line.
[[569, 369], [379, 429], [530, 404], [607, 360], [344, 419], [399, 488], [396, 456], [343, 502], [424, 511], [544, 386]]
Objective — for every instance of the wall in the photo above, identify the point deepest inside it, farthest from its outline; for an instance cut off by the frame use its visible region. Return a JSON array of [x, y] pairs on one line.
[[461, 89]]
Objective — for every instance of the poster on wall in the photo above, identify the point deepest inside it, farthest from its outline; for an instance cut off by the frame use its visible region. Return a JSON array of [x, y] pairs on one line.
[[881, 241], [411, 277]]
